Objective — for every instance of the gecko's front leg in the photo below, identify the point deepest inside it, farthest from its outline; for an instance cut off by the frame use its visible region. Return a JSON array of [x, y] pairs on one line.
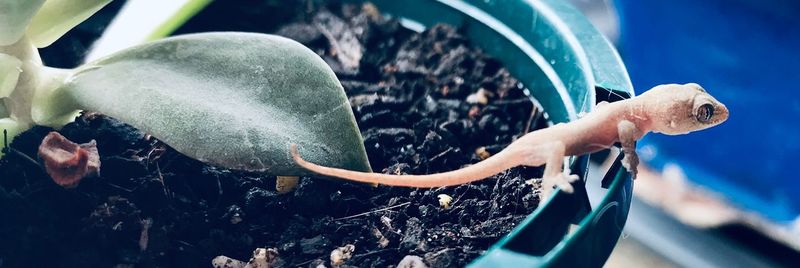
[[552, 156], [628, 134]]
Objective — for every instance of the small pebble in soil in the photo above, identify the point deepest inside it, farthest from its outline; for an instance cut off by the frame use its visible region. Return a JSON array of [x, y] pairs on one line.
[[444, 201], [341, 254], [412, 261]]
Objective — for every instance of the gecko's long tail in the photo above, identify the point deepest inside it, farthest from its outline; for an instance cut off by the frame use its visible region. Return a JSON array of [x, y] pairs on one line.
[[483, 169]]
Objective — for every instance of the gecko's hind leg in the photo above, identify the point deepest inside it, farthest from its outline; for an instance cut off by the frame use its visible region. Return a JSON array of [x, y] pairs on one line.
[[628, 134], [552, 156]]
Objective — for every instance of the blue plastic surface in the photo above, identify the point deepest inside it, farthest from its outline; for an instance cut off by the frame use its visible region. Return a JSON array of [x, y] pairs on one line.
[[747, 54]]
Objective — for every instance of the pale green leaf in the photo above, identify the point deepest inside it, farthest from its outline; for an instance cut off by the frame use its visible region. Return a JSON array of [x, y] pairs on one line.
[[49, 105], [15, 15], [57, 17], [10, 67], [233, 99]]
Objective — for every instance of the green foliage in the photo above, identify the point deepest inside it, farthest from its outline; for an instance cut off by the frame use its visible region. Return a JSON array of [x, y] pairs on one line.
[[233, 99], [14, 18], [236, 100], [57, 17]]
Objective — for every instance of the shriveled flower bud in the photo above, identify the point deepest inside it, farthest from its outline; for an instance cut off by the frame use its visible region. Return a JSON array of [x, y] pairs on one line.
[[67, 162]]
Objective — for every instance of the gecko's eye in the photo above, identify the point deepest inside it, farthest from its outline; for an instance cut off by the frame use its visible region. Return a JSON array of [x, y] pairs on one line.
[[705, 112]]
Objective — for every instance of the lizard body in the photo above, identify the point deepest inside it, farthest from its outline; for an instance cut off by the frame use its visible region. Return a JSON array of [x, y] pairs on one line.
[[670, 109]]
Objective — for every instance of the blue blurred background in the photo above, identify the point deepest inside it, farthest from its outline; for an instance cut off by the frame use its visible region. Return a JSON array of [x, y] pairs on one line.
[[745, 52]]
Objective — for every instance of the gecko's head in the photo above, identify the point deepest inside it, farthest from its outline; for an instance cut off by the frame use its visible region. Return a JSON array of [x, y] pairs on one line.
[[680, 109]]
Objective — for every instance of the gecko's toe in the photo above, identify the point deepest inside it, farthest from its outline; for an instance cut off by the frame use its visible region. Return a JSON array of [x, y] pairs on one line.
[[548, 184], [563, 181], [567, 189], [572, 178]]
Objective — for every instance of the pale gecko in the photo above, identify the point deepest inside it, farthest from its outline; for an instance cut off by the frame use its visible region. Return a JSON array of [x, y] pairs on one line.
[[671, 109]]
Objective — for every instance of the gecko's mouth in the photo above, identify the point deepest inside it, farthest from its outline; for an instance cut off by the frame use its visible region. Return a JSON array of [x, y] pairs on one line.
[[721, 114]]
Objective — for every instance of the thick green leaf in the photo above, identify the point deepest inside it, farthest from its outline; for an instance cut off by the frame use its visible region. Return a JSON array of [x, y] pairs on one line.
[[233, 99], [14, 18], [57, 17]]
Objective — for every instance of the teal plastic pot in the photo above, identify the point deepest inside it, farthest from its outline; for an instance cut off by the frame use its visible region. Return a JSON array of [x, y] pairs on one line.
[[556, 53]]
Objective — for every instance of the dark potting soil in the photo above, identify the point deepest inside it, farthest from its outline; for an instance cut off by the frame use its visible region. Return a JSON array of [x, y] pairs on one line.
[[154, 207]]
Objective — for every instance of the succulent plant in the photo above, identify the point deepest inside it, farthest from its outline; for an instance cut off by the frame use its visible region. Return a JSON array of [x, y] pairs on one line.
[[236, 100]]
